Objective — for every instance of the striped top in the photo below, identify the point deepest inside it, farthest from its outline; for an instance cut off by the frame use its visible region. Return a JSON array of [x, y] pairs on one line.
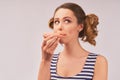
[[86, 73]]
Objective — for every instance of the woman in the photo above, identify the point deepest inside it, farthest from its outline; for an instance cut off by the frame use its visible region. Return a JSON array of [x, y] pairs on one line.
[[70, 23]]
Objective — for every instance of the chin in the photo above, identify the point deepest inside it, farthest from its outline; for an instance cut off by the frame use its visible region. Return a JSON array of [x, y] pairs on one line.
[[62, 41]]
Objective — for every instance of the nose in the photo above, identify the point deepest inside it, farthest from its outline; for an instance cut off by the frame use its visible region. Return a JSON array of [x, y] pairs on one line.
[[60, 27]]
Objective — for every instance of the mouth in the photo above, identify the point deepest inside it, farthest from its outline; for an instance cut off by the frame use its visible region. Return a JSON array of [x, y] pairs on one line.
[[63, 34]]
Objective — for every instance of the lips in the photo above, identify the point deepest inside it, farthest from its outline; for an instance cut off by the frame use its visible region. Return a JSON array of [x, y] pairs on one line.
[[63, 34]]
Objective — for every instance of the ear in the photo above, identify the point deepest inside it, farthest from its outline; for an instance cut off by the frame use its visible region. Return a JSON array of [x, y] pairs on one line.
[[80, 27]]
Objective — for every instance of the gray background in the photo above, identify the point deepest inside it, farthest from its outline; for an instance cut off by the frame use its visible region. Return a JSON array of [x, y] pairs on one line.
[[23, 22]]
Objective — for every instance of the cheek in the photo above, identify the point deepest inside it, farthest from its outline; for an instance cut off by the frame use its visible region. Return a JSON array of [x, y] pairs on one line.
[[54, 30], [72, 31]]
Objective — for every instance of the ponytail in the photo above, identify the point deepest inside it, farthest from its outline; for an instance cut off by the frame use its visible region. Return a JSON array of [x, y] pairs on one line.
[[50, 23], [89, 31]]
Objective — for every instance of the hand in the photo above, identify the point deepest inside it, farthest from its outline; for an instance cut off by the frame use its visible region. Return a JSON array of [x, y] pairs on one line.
[[49, 45]]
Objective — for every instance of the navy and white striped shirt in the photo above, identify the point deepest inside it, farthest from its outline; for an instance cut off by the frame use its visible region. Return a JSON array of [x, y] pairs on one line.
[[86, 73]]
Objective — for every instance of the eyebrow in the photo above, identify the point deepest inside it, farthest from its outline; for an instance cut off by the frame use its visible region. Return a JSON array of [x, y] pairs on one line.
[[64, 17]]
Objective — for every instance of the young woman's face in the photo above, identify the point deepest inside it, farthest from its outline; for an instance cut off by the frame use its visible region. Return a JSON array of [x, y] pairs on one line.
[[65, 23]]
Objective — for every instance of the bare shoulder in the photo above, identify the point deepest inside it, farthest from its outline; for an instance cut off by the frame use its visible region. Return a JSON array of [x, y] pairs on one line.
[[101, 60], [101, 68]]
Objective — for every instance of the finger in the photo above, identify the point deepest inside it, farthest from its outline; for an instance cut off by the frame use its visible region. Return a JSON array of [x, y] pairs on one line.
[[43, 44], [46, 34], [47, 39], [50, 36], [46, 42], [53, 47], [51, 42]]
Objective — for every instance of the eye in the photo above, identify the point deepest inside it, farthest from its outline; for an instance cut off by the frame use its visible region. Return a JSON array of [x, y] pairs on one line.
[[67, 21], [56, 22]]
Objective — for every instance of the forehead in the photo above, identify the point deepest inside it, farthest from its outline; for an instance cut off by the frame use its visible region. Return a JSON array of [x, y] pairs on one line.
[[61, 13]]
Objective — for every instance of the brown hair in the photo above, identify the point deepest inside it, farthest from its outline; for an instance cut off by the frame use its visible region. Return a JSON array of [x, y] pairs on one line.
[[89, 22]]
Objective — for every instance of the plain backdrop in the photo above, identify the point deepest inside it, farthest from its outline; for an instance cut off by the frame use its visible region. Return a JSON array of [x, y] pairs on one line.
[[23, 22]]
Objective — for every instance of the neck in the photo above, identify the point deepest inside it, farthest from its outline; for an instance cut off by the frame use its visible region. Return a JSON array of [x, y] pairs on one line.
[[74, 49]]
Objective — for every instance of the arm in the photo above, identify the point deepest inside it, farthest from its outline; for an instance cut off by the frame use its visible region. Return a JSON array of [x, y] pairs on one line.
[[44, 71], [101, 69], [49, 45]]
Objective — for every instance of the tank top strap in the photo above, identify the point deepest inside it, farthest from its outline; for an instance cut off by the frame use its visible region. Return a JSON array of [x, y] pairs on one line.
[[90, 63], [53, 65], [87, 72]]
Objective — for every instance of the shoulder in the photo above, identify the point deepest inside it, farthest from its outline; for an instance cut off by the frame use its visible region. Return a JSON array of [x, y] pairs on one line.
[[101, 60], [101, 68]]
